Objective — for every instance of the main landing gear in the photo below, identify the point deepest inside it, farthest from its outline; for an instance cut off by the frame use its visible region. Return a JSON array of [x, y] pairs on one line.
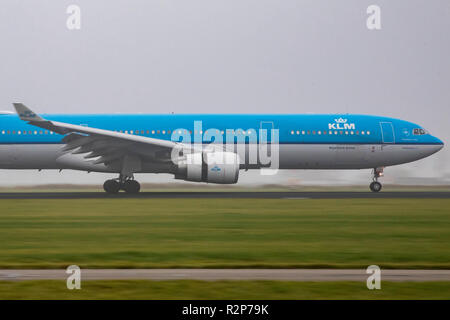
[[375, 186], [127, 184]]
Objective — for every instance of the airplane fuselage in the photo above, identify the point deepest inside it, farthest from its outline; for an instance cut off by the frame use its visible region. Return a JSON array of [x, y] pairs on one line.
[[329, 141]]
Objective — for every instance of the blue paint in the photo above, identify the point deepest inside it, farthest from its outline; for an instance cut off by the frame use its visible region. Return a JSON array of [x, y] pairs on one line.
[[400, 132]]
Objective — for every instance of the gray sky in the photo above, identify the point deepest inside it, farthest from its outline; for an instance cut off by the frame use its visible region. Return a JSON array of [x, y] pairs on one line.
[[233, 56]]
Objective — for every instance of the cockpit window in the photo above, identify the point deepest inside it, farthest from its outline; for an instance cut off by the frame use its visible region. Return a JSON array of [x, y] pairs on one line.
[[419, 131]]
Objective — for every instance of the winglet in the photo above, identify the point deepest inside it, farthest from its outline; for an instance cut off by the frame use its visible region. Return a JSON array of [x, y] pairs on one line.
[[25, 113]]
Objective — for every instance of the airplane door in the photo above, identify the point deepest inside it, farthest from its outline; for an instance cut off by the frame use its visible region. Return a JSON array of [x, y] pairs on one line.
[[387, 132], [265, 140], [266, 131]]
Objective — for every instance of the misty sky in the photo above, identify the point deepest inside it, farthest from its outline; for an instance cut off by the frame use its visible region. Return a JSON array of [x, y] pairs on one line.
[[232, 56]]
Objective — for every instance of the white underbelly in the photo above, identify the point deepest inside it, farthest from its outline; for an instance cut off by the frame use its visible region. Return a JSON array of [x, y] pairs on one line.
[[290, 156]]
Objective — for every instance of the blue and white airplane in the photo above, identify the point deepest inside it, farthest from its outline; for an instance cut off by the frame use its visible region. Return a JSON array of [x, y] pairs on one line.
[[189, 145]]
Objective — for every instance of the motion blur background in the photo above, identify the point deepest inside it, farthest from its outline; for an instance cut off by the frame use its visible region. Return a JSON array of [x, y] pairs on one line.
[[232, 56]]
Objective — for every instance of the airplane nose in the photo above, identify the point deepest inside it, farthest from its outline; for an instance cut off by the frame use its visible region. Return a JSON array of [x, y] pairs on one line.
[[439, 144]]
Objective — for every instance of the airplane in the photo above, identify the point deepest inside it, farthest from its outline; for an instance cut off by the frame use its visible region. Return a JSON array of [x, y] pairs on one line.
[[210, 148]]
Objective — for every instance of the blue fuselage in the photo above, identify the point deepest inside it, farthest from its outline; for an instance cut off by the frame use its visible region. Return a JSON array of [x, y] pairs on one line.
[[292, 129]]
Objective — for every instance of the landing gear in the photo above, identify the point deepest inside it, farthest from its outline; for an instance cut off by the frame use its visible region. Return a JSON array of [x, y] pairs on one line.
[[127, 184], [131, 186], [375, 186], [111, 186]]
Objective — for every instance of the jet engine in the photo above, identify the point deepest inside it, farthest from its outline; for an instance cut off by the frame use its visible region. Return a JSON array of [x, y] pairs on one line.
[[212, 167]]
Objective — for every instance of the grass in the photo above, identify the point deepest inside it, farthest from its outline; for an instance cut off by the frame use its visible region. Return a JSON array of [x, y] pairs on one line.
[[190, 289], [217, 233]]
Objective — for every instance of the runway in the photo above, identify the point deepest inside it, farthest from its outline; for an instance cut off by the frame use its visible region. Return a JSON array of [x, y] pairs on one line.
[[228, 274], [229, 195]]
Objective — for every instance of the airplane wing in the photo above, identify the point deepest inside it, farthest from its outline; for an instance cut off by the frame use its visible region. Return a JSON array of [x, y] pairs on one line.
[[103, 146]]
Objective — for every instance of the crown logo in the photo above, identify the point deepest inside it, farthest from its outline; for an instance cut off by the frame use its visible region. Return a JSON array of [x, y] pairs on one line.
[[340, 120]]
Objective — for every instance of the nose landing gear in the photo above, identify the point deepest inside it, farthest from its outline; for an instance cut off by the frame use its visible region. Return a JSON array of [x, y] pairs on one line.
[[375, 186], [127, 184]]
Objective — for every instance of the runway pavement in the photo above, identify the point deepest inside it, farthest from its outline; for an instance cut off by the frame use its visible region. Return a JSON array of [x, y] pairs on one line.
[[228, 195], [228, 274]]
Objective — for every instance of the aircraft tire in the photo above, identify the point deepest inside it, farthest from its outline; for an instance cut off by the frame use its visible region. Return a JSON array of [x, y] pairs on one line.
[[111, 186], [131, 186], [375, 186]]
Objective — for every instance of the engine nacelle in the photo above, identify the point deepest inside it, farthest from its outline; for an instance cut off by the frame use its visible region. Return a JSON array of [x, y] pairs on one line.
[[212, 167]]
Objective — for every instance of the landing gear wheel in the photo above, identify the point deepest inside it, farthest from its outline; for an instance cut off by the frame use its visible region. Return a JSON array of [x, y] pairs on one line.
[[375, 186], [111, 186], [131, 186]]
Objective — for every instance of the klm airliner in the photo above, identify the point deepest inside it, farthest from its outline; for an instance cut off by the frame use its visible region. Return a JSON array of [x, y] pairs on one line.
[[205, 147]]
